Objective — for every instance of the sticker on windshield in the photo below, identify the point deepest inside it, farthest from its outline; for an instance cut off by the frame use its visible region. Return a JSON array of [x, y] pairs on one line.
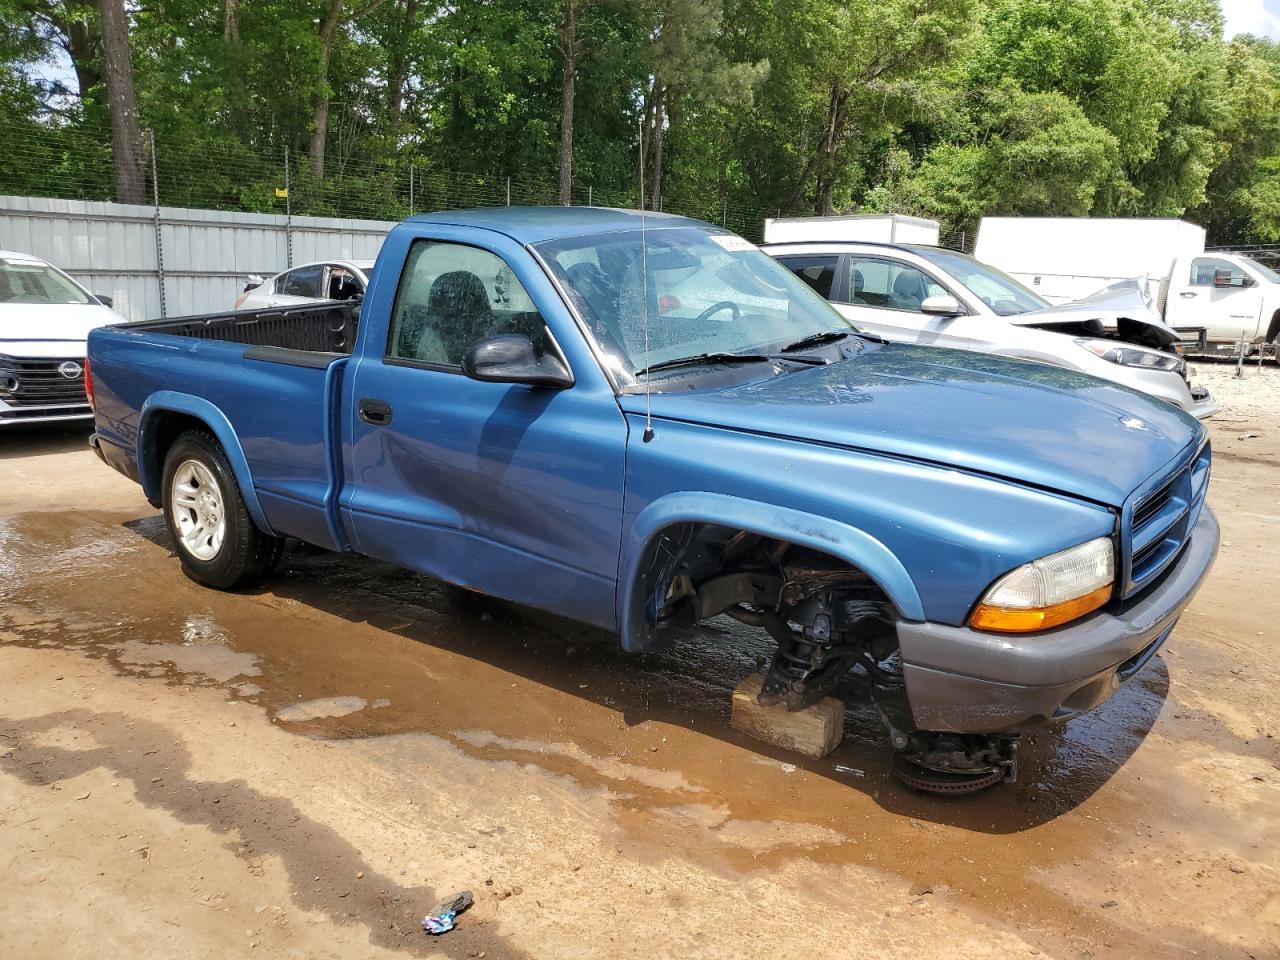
[[731, 243]]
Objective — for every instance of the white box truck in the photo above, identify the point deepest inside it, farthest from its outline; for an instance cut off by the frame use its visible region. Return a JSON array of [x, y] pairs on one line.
[[864, 228], [1211, 298]]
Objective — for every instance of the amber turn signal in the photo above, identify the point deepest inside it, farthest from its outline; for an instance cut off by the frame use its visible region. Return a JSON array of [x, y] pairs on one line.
[[1024, 620]]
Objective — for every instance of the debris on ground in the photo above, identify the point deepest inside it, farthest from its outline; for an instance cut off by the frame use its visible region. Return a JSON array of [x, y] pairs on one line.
[[445, 916]]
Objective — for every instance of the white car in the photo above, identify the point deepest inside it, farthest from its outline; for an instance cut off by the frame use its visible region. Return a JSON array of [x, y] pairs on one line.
[[936, 297], [327, 280], [45, 318]]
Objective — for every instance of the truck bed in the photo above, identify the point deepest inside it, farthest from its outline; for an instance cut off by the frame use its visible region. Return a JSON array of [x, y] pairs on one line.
[[325, 328], [266, 382]]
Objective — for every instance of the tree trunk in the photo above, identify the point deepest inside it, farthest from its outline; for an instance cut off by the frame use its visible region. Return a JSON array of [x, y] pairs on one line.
[[396, 81], [320, 115], [659, 115], [231, 21], [233, 69], [82, 41], [832, 138], [646, 145], [569, 54], [122, 101]]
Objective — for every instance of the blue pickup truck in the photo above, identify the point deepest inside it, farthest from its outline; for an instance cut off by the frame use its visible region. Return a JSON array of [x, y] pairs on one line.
[[642, 422]]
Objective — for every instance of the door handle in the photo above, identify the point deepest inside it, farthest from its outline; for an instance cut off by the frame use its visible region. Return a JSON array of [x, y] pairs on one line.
[[375, 412], [1187, 293]]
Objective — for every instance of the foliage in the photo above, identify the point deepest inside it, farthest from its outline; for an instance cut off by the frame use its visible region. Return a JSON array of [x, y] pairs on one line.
[[947, 108]]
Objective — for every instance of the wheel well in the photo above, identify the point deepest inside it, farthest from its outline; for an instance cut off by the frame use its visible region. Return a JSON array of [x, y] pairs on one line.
[[165, 427], [1273, 331], [827, 615], [691, 571]]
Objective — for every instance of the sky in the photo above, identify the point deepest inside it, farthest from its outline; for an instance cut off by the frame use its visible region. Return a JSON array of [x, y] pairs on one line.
[[1259, 17]]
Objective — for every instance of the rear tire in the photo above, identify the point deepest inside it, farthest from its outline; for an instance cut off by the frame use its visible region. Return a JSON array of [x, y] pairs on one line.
[[213, 534]]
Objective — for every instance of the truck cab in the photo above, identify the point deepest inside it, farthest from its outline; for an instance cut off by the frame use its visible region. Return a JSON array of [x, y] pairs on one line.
[[1228, 296]]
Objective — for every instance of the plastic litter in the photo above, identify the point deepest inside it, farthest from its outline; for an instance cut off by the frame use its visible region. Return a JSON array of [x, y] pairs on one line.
[[445, 916]]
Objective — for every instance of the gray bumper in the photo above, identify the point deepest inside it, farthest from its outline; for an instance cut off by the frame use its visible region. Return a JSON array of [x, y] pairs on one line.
[[1205, 407], [965, 681]]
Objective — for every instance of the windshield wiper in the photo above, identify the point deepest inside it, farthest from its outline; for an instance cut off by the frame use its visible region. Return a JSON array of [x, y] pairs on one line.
[[702, 360], [831, 336], [712, 359], [816, 340]]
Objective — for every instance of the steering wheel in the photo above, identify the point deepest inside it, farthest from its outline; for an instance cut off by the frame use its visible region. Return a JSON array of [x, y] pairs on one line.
[[716, 308]]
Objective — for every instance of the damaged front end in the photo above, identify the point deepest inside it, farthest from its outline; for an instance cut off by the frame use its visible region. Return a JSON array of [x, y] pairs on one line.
[[1122, 325], [829, 620], [1123, 311]]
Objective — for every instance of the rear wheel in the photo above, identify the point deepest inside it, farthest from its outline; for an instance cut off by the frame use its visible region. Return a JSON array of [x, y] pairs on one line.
[[213, 534]]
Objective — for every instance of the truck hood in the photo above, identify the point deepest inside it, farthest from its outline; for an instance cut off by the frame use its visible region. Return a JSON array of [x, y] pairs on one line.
[[1028, 422], [1124, 308], [50, 329]]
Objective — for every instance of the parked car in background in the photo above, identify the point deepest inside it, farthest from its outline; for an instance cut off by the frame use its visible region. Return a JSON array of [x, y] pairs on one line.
[[327, 280], [45, 317], [1212, 298], [643, 422], [937, 297]]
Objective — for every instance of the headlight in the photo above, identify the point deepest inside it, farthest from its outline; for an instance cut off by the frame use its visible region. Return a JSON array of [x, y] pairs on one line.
[[1050, 591], [1129, 356]]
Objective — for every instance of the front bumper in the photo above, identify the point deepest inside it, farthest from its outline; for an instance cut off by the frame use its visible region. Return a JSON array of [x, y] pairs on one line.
[[15, 416], [964, 681], [1203, 405]]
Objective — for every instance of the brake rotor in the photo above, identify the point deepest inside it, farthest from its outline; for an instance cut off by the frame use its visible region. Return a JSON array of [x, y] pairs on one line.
[[942, 782]]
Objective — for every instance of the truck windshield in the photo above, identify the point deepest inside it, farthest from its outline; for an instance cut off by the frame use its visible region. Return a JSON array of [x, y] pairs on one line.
[[30, 281], [708, 293], [1004, 295], [1267, 273]]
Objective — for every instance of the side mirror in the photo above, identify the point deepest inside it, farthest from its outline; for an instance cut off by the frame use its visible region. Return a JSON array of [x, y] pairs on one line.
[[103, 299], [511, 359], [942, 305]]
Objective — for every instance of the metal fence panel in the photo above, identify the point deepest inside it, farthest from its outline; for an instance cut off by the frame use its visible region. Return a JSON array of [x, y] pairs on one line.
[[202, 255]]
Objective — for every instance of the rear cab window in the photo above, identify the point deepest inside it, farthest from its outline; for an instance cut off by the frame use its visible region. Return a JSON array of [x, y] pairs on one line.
[[1203, 270]]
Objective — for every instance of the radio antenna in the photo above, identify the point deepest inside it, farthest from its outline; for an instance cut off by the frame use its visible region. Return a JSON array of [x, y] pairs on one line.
[[644, 298]]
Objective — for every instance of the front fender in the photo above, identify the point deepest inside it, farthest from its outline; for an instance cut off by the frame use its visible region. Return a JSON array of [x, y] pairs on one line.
[[150, 469], [832, 537]]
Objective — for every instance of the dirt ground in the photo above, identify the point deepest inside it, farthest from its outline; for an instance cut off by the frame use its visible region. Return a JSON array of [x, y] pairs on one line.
[[305, 770]]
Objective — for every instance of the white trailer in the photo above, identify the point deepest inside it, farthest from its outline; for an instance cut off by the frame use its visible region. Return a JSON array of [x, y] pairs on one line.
[[1067, 258], [863, 228]]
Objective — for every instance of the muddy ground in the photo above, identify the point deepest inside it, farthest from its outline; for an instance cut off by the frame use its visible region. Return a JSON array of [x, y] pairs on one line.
[[304, 770]]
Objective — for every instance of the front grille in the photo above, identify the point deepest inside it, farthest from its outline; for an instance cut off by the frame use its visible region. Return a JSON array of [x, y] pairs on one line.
[[41, 383], [1160, 520]]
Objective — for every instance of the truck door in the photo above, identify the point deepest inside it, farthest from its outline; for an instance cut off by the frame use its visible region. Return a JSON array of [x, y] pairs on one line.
[[511, 490], [1218, 295], [884, 297]]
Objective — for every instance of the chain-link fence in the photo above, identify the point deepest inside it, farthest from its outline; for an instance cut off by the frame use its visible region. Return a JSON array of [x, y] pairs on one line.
[[75, 162], [956, 238], [1267, 254]]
